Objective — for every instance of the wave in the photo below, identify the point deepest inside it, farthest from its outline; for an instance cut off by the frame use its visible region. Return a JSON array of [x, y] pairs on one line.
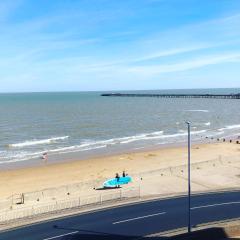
[[216, 134], [229, 127], [197, 110], [182, 131], [92, 145], [113, 141], [20, 156], [123, 140], [38, 142], [184, 134], [138, 137]]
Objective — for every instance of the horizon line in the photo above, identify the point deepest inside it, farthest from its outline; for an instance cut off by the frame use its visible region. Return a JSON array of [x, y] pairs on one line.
[[164, 89]]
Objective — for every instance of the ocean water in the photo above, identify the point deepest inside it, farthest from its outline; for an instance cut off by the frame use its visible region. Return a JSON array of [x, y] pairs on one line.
[[85, 122]]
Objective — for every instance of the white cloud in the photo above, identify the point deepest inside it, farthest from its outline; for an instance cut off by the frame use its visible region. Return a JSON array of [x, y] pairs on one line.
[[185, 65]]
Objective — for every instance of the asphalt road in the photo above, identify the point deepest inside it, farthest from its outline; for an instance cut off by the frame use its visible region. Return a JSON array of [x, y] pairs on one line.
[[130, 222]]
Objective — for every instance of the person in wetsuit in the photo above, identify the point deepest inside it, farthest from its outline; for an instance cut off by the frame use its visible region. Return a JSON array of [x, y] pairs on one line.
[[117, 177]]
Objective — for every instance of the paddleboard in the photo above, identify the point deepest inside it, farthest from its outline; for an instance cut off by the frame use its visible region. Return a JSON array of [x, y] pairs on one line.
[[121, 181]]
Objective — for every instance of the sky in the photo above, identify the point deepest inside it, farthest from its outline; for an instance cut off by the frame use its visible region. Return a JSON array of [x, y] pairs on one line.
[[97, 45]]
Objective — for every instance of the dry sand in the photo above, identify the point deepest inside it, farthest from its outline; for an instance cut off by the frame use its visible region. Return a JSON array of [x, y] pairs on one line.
[[55, 175]]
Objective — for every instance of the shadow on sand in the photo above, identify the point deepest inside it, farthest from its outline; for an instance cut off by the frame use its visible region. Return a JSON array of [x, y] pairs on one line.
[[106, 188]]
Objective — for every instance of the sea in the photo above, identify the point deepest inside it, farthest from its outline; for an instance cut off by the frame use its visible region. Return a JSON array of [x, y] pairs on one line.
[[77, 125]]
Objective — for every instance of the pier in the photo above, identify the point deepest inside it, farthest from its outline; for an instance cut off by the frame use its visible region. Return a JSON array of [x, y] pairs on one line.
[[217, 96]]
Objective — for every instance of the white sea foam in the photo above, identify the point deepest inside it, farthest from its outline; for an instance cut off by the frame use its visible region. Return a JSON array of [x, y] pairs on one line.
[[38, 142], [63, 149], [207, 124], [138, 148], [123, 140], [87, 149], [215, 134], [229, 127], [183, 134], [182, 131], [20, 156], [138, 137], [197, 110], [77, 148], [91, 145]]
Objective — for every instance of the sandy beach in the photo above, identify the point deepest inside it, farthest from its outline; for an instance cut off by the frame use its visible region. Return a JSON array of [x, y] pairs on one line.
[[54, 175]]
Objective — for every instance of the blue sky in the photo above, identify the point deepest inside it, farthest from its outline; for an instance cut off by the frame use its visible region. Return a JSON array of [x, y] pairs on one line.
[[82, 45]]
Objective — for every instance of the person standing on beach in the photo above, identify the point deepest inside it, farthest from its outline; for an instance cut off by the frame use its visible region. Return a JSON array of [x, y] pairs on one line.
[[117, 177], [45, 157]]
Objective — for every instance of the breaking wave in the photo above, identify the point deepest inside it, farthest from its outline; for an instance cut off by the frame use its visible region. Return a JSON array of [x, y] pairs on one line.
[[92, 145], [197, 110], [18, 154], [38, 142], [229, 127]]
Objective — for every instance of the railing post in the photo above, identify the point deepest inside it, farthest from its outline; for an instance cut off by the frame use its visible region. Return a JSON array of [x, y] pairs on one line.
[[79, 202], [139, 191], [120, 194], [100, 198]]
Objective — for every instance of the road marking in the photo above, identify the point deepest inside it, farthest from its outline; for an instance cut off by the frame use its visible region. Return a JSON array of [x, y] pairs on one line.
[[136, 218], [214, 205], [71, 233]]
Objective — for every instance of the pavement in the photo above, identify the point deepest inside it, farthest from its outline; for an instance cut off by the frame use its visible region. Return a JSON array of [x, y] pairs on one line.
[[134, 221]]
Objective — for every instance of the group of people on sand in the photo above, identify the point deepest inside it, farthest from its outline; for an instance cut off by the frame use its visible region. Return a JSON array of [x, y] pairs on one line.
[[123, 175]]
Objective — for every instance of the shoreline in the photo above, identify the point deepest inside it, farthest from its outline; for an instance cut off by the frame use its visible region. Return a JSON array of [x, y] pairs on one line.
[[35, 178], [58, 158]]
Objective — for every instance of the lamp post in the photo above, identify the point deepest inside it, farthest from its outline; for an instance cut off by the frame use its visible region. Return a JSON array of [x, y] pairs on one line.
[[189, 176]]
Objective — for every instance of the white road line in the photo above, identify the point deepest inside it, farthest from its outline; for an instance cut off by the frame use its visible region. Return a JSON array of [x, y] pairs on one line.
[[136, 218], [71, 233], [215, 205]]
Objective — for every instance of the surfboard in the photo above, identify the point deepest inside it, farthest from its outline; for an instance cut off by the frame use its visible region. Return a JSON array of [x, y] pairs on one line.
[[113, 181]]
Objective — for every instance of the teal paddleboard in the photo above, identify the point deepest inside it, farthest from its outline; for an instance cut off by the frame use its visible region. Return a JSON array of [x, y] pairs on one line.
[[114, 182]]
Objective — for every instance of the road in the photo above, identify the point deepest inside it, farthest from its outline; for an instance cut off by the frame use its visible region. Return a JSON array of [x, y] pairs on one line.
[[129, 222]]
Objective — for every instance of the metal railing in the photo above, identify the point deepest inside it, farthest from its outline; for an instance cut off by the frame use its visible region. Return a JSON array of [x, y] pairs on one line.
[[76, 202]]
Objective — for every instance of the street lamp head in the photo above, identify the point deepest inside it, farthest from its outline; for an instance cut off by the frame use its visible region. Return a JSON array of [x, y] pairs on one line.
[[187, 122]]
